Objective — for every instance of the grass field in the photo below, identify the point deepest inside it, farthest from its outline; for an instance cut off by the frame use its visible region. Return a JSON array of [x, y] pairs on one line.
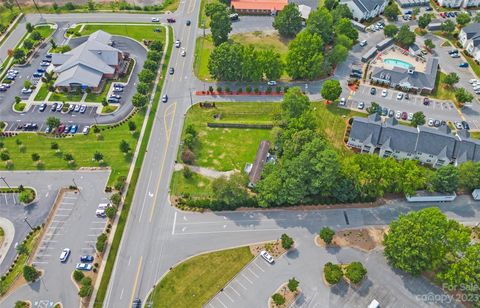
[[42, 93], [260, 40], [441, 91], [197, 185], [44, 30], [80, 146], [109, 108], [194, 282], [475, 67], [65, 97], [137, 32], [7, 16], [226, 149], [99, 97]]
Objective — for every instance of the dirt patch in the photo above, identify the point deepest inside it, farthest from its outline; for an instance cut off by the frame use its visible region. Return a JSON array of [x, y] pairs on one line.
[[364, 239], [287, 294], [274, 248]]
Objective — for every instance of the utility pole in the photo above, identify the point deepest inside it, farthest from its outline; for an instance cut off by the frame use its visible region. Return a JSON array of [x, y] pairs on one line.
[[36, 6], [5, 181], [191, 100], [74, 183], [25, 219]]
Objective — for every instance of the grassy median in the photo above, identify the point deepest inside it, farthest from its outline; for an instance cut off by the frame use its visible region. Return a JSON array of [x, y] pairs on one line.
[[137, 32], [194, 282]]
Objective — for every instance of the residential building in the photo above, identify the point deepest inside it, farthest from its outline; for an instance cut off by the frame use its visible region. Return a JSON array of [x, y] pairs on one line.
[[437, 147], [87, 65], [412, 3], [469, 37], [266, 7], [365, 9], [458, 3]]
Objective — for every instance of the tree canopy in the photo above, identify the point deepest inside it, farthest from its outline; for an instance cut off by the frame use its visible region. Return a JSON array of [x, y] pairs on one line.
[[305, 56], [288, 21]]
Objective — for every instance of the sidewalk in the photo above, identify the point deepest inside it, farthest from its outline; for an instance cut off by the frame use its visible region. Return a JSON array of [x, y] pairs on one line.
[[209, 173], [9, 233]]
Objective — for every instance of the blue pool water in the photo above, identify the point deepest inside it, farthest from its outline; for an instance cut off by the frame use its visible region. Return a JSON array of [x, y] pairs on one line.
[[398, 63]]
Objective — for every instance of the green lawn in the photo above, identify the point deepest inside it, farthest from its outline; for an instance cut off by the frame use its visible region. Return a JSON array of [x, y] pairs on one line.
[[440, 91], [19, 106], [194, 282], [137, 32], [45, 30], [65, 97], [7, 16], [475, 67], [260, 40], [99, 97], [80, 146], [109, 108], [129, 70], [226, 149], [42, 93], [202, 19], [197, 185]]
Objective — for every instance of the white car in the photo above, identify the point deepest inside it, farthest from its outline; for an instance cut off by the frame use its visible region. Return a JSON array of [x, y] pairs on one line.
[[430, 122], [177, 43], [183, 53], [343, 101], [458, 125], [272, 83], [64, 255], [13, 72], [410, 116], [84, 266], [100, 213], [265, 255], [361, 105], [398, 115], [27, 91], [400, 96], [384, 92], [155, 19], [473, 81], [86, 130]]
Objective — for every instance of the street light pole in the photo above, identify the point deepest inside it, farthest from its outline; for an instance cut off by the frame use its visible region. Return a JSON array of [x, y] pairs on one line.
[[25, 219], [3, 178], [74, 183]]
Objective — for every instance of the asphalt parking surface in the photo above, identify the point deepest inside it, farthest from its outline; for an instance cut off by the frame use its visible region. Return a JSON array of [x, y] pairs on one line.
[[240, 292]]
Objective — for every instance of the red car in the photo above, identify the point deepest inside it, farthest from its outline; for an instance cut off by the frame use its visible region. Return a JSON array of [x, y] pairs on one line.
[[404, 115], [171, 20], [442, 14], [60, 128]]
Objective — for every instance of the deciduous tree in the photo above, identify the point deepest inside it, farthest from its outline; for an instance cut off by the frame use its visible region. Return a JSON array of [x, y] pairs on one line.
[[463, 18], [305, 56], [344, 26], [391, 11], [445, 179], [326, 234], [225, 62], [405, 37], [288, 21], [271, 64], [220, 26], [320, 22], [338, 54], [424, 20], [331, 89], [451, 79], [418, 119]]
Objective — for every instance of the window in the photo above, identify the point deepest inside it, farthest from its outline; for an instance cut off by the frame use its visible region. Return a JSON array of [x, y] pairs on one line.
[[409, 154], [429, 161], [431, 156]]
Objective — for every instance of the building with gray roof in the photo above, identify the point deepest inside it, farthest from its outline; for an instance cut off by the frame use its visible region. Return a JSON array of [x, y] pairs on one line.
[[437, 147], [365, 9], [469, 37], [88, 64]]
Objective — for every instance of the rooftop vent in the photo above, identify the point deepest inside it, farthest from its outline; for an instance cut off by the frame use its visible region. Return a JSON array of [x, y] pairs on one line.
[[410, 71]]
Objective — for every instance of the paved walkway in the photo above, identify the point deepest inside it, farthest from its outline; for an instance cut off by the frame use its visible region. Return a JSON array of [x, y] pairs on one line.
[[8, 234], [209, 173]]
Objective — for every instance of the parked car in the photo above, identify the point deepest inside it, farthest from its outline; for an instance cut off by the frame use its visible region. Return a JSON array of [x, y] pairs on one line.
[[452, 51], [165, 98], [404, 115], [26, 91], [410, 116], [83, 108], [86, 130], [428, 9], [465, 125], [117, 89], [399, 96], [64, 255], [137, 303], [188, 22], [83, 266], [71, 108], [430, 122], [86, 258], [67, 128], [48, 56], [361, 105], [363, 43], [54, 107], [113, 100], [384, 111], [73, 129], [42, 107], [472, 81], [37, 74], [48, 130], [76, 108], [436, 123], [398, 115], [10, 77], [183, 53], [115, 96], [13, 72], [343, 101], [391, 113], [171, 20], [426, 101], [407, 96], [6, 85], [61, 129], [272, 83], [458, 125], [266, 256], [373, 91], [463, 64], [59, 107], [455, 55], [155, 19], [45, 63], [177, 43], [118, 85], [171, 71], [41, 70], [3, 88], [384, 92]]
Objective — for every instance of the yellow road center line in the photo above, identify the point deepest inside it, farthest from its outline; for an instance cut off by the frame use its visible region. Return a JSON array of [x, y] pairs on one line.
[[136, 280]]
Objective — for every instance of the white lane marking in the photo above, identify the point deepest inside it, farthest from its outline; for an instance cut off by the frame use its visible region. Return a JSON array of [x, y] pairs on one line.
[[174, 223], [259, 267], [145, 199], [253, 273], [247, 278], [121, 293], [67, 203], [221, 303], [225, 293], [238, 282], [228, 231], [234, 290], [185, 218], [129, 260]]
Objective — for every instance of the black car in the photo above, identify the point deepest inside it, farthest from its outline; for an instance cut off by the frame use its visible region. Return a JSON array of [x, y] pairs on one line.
[[171, 70], [137, 303], [436, 123], [188, 22], [407, 96], [465, 125], [354, 75], [356, 71], [373, 91]]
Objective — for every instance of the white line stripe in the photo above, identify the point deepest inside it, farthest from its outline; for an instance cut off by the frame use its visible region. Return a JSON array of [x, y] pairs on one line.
[[253, 273], [225, 293], [247, 278], [174, 222], [240, 284], [61, 215], [221, 303], [228, 231], [90, 241], [61, 209], [259, 267], [38, 262], [234, 290], [67, 203]]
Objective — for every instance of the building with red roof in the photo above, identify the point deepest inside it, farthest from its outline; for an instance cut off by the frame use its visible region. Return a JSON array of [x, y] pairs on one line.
[[258, 6]]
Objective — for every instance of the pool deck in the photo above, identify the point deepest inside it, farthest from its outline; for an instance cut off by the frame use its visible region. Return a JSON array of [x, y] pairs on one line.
[[397, 54]]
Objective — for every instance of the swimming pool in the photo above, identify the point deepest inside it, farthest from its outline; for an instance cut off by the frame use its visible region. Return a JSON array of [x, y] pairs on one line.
[[399, 63]]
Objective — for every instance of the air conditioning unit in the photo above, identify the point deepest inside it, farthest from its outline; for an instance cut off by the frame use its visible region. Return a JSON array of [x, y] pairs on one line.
[[410, 71]]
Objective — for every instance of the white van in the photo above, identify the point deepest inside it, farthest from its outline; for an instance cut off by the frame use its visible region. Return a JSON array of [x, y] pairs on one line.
[[100, 213], [103, 206], [363, 43], [374, 304]]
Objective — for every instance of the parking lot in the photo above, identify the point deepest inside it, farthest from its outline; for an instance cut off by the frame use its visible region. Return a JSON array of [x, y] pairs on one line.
[[240, 292], [436, 110], [73, 226]]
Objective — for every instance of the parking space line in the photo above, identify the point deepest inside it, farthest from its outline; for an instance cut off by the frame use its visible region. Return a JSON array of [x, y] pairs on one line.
[[259, 267], [228, 296], [238, 282], [98, 222], [252, 272], [62, 209], [247, 278], [90, 241], [50, 241], [221, 303], [39, 262], [234, 290], [67, 203], [73, 197], [95, 235]]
